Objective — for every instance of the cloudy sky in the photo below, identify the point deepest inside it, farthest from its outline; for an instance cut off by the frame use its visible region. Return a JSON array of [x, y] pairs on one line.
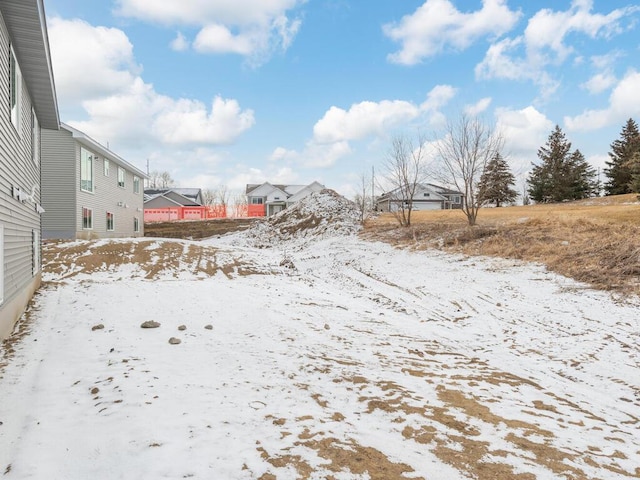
[[290, 91]]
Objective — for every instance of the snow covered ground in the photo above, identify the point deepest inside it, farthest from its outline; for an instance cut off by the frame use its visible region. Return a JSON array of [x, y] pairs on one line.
[[325, 358]]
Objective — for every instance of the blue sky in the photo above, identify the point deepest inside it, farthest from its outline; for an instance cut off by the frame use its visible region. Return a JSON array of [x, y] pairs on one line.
[[229, 92]]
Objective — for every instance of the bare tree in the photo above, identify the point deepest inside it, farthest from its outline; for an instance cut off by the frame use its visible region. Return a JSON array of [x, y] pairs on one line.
[[209, 197], [160, 180], [364, 198], [222, 195], [405, 171], [239, 205], [464, 151]]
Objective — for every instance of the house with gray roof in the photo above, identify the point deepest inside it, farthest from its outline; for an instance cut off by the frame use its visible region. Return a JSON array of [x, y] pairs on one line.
[[266, 199], [427, 196], [28, 103], [88, 191]]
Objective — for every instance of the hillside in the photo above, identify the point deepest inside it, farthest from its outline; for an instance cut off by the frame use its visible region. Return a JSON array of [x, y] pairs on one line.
[[596, 241]]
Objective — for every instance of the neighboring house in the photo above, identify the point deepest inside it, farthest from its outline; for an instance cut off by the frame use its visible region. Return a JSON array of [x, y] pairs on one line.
[[170, 204], [27, 104], [427, 197], [87, 190], [264, 200]]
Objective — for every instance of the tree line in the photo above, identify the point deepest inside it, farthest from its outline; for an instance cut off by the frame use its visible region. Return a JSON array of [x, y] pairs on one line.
[[471, 160]]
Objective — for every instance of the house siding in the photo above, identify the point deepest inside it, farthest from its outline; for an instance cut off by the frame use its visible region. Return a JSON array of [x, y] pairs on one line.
[[58, 184], [18, 218], [107, 195]]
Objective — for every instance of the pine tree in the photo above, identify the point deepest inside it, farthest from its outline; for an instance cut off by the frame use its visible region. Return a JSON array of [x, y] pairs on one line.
[[548, 181], [622, 154], [562, 175], [634, 166], [496, 183], [584, 183]]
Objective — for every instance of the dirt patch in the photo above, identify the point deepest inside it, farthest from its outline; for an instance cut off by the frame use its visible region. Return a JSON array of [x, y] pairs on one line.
[[197, 229]]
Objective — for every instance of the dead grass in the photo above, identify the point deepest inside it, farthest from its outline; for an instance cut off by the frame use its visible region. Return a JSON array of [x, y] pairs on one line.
[[595, 241]]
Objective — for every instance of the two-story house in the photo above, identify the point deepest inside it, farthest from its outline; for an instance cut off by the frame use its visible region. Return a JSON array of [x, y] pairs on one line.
[[87, 190], [427, 196], [27, 103], [266, 199]]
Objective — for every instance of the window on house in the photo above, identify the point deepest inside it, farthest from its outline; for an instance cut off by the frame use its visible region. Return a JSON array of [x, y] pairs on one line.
[[109, 222], [35, 138], [1, 264], [87, 218], [136, 224], [121, 177], [35, 238], [106, 167], [86, 170], [16, 91], [426, 194], [136, 184], [256, 200], [456, 199]]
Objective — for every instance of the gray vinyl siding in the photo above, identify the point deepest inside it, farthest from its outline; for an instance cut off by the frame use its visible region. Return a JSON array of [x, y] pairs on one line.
[[17, 170], [68, 199], [58, 184]]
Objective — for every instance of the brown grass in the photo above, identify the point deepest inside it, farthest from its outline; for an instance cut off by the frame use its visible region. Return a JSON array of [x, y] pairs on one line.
[[595, 241]]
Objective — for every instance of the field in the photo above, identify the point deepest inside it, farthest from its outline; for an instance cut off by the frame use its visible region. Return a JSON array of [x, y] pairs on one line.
[[596, 241], [297, 349]]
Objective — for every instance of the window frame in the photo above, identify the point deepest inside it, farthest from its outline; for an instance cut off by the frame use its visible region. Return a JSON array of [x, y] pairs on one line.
[[106, 167], [136, 225], [87, 220], [257, 201], [136, 184], [35, 137], [15, 91], [36, 257], [122, 183], [111, 222], [89, 157]]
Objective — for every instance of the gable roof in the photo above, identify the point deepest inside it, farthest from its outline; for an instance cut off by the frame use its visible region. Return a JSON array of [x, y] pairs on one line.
[[185, 196], [255, 189], [27, 26], [90, 143]]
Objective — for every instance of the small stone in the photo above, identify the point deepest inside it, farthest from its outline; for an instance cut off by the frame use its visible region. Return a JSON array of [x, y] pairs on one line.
[[209, 327], [95, 390], [97, 327], [182, 327], [174, 341], [326, 326], [150, 324]]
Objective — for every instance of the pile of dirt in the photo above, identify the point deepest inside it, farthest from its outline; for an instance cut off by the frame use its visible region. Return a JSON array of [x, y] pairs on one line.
[[320, 215]]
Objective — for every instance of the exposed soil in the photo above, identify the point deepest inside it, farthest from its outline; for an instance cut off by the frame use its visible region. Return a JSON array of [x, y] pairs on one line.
[[197, 229]]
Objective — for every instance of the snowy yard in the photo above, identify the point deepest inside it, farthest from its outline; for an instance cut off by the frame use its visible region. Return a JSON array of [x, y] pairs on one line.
[[352, 360]]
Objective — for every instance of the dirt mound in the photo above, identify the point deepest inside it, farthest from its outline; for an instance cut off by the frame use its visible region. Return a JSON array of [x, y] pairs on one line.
[[320, 215]]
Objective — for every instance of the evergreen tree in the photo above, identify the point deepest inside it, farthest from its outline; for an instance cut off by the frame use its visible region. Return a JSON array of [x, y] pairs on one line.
[[584, 183], [623, 150], [548, 181], [634, 165], [496, 183], [562, 174]]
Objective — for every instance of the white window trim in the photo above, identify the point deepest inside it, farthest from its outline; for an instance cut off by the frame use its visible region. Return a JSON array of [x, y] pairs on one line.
[[113, 222], [37, 258], [17, 81], [91, 158], [136, 224], [35, 138], [106, 167], [136, 184], [124, 177], [91, 218]]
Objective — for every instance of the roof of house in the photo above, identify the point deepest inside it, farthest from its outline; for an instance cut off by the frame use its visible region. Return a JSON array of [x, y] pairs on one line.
[[90, 143], [190, 195], [26, 23], [288, 189], [421, 187]]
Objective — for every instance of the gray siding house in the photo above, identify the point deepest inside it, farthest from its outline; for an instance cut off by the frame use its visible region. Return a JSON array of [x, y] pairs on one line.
[[27, 103], [87, 190], [427, 196]]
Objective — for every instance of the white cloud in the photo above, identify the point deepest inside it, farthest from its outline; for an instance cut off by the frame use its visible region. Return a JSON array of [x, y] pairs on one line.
[[524, 131], [180, 43], [121, 107], [438, 25], [244, 175], [251, 28], [527, 57], [89, 62], [478, 107], [624, 102], [600, 82]]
